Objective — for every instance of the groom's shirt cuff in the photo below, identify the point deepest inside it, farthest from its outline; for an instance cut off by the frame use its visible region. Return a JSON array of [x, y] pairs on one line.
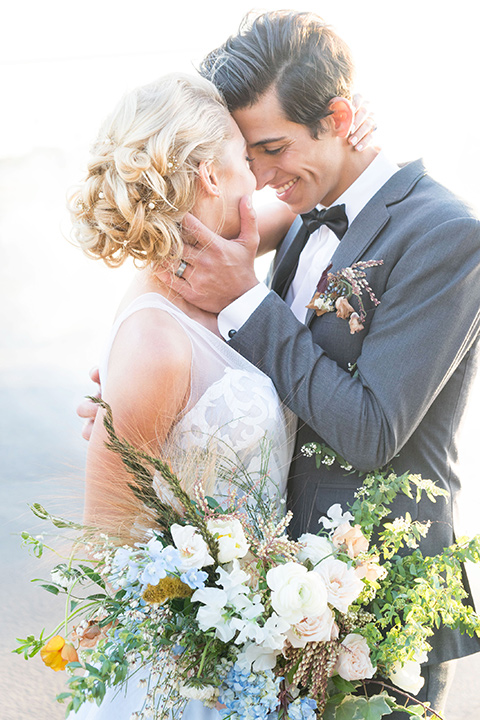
[[237, 313]]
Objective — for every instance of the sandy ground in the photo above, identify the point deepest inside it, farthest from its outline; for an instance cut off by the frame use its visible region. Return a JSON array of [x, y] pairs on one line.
[[52, 323]]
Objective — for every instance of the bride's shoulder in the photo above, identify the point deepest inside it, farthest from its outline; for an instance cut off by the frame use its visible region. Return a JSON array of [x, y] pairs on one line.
[[148, 376], [153, 337]]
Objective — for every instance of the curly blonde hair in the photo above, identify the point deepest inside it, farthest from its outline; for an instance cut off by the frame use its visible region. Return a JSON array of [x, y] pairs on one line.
[[143, 170]]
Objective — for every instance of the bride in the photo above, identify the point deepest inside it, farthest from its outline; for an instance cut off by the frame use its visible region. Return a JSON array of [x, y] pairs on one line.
[[171, 148], [172, 383]]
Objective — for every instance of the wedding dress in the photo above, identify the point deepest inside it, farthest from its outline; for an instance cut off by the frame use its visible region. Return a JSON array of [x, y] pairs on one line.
[[234, 409]]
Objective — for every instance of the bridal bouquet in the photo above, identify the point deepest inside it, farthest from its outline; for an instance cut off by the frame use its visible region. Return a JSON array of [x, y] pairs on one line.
[[217, 604]]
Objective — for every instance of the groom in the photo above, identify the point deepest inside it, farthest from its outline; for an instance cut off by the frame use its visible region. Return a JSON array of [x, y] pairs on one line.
[[394, 393]]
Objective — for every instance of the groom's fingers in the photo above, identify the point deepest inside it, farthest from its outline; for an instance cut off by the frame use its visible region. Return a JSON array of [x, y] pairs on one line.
[[195, 233], [248, 222]]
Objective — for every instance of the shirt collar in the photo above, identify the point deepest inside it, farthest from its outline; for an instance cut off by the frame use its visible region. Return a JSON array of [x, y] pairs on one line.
[[366, 185]]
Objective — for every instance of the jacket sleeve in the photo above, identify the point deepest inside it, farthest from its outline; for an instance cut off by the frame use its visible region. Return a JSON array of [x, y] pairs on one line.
[[426, 322]]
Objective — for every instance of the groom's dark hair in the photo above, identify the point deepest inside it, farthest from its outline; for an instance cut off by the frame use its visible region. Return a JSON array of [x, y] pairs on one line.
[[297, 53]]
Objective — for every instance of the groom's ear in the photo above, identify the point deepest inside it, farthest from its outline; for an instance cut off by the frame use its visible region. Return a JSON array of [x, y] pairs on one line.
[[209, 178], [342, 115]]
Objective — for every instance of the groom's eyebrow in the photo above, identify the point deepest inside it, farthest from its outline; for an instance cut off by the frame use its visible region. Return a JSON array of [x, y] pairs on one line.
[[267, 141]]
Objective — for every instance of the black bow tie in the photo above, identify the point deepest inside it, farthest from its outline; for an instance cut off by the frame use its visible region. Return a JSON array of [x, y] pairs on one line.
[[334, 218]]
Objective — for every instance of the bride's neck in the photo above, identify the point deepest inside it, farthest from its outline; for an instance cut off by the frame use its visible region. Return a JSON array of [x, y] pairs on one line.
[[145, 281]]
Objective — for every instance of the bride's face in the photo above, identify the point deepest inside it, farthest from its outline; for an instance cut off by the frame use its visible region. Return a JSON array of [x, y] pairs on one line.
[[235, 180]]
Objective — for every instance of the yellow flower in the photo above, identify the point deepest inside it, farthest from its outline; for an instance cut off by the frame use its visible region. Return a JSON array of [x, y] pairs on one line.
[[57, 653], [166, 589]]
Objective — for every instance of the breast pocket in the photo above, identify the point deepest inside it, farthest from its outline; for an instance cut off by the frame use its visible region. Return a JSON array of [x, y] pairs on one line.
[[333, 335]]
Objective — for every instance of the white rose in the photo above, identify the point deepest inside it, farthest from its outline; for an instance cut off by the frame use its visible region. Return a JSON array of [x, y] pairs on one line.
[[407, 676], [192, 547], [353, 662], [313, 629], [342, 583], [314, 548], [232, 542], [296, 592]]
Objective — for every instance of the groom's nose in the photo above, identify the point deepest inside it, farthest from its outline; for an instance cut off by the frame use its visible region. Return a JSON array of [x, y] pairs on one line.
[[262, 168]]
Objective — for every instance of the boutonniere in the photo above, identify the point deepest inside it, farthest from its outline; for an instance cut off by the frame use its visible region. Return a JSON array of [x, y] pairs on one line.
[[335, 290]]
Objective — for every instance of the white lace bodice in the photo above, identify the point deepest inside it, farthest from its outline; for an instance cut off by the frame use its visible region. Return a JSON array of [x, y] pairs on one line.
[[233, 408]]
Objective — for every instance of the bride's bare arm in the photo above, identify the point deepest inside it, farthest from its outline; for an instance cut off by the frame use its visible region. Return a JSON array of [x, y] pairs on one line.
[[147, 387], [273, 221]]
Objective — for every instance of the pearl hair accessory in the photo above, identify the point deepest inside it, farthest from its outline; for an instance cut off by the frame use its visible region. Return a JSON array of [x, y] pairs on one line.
[[172, 164]]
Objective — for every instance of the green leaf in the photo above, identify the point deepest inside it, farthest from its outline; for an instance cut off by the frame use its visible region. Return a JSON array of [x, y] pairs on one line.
[[376, 707], [359, 708], [212, 503], [348, 709], [63, 696], [93, 670], [75, 664], [51, 589], [344, 686], [416, 710]]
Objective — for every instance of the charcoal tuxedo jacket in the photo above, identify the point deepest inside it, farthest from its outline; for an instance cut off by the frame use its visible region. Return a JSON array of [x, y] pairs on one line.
[[415, 360]]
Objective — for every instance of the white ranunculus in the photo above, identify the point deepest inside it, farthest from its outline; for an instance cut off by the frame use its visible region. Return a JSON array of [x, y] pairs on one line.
[[192, 547], [314, 548], [342, 583], [296, 592], [232, 542], [353, 662], [313, 629], [407, 676]]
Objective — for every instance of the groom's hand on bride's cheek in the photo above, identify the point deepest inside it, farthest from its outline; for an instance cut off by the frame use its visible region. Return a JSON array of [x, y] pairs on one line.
[[217, 271], [87, 409]]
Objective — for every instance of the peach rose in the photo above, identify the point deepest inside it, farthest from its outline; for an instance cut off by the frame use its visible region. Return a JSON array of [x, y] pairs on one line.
[[343, 307], [313, 629], [342, 583], [88, 633], [353, 662], [355, 324], [57, 653], [352, 537], [370, 569]]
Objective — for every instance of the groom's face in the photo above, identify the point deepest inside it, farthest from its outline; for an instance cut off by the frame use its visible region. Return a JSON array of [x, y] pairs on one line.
[[302, 170]]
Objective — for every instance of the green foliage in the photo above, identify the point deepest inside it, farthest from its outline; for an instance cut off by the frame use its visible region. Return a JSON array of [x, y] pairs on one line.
[[418, 594], [396, 614]]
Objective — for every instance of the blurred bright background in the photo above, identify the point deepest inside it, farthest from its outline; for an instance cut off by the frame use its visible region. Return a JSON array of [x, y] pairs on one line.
[[63, 66]]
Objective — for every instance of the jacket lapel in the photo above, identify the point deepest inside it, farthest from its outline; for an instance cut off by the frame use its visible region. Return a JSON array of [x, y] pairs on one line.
[[372, 219]]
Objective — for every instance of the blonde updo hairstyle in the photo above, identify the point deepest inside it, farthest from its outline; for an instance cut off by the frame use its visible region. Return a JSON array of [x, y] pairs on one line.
[[143, 171]]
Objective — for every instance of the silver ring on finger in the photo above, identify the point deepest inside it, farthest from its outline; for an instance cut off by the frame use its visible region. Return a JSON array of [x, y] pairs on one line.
[[181, 268]]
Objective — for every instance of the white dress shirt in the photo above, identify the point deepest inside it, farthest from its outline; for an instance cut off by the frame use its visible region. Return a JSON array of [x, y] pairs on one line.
[[316, 254]]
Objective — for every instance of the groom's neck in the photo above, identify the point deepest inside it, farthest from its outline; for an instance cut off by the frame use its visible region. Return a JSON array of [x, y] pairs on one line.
[[354, 165]]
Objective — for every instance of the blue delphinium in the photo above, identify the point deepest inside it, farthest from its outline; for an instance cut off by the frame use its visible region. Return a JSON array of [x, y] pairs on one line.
[[248, 695], [194, 578]]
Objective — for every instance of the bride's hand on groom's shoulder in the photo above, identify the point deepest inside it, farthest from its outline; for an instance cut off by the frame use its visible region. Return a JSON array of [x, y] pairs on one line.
[[87, 409], [217, 270]]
